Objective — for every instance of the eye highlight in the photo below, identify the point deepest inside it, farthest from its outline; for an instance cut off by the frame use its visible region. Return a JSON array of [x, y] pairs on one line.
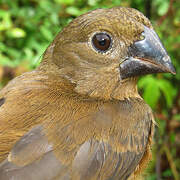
[[101, 42]]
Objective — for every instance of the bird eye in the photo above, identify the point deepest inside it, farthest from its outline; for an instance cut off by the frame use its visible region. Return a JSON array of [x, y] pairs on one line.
[[101, 42]]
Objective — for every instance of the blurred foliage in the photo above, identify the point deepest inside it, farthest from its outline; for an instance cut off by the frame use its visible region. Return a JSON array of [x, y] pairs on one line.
[[28, 26]]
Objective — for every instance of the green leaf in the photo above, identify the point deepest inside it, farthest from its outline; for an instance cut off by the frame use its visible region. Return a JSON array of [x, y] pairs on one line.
[[54, 18], [92, 2], [13, 52], [151, 90], [3, 47], [5, 61], [16, 33], [28, 53], [168, 91], [66, 2], [172, 137], [73, 11], [163, 8], [5, 22], [145, 80], [152, 177], [151, 93], [46, 33], [167, 173]]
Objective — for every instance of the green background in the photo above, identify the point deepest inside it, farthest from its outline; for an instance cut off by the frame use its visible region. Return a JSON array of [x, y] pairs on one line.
[[28, 26]]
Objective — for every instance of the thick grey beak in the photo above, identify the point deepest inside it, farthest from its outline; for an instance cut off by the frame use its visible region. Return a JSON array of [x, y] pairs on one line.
[[146, 56]]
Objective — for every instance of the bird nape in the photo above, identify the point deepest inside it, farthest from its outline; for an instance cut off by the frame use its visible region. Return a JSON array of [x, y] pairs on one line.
[[79, 115]]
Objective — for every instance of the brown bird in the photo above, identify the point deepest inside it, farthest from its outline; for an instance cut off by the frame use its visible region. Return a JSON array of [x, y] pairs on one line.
[[79, 116]]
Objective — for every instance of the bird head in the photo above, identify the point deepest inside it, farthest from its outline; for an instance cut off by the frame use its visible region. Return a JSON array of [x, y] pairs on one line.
[[102, 52]]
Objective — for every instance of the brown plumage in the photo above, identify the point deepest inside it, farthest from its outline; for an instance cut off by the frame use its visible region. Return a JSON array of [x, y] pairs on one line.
[[79, 114]]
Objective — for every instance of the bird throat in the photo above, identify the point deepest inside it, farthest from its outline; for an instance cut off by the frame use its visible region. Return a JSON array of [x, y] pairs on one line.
[[110, 89]]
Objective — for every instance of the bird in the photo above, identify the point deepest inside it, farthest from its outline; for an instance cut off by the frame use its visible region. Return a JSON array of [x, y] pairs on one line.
[[78, 115]]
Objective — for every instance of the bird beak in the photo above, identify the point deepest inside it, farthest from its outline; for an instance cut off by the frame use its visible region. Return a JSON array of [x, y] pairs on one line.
[[146, 56]]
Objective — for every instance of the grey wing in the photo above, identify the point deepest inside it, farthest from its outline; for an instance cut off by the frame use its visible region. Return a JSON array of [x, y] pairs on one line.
[[94, 161], [97, 161], [103, 160], [32, 158]]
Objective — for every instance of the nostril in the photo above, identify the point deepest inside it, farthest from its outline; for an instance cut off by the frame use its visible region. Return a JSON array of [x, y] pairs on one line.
[[2, 101]]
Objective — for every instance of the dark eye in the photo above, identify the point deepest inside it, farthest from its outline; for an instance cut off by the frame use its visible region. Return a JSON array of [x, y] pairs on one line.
[[101, 42]]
